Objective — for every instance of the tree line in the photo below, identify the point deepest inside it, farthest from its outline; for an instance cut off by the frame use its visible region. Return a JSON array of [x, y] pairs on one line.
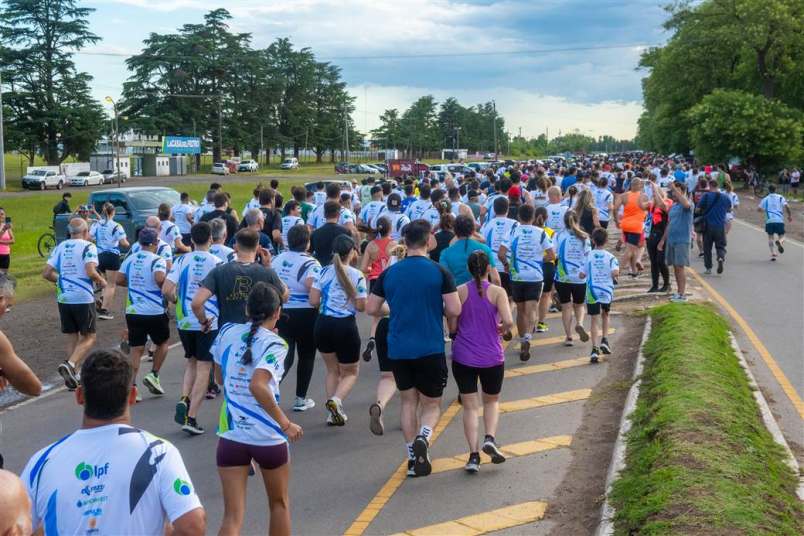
[[573, 142]]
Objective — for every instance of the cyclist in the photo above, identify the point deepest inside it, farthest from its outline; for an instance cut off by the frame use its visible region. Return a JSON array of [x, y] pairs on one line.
[[109, 237]]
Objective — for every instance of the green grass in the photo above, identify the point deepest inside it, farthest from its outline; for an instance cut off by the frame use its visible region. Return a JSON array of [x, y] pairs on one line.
[[699, 460]]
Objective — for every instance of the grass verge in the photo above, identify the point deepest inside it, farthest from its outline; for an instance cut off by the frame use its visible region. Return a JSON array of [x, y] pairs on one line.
[[699, 460]]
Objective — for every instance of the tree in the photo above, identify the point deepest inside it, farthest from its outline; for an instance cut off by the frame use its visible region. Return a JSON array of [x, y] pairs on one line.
[[390, 131], [765, 133], [48, 99]]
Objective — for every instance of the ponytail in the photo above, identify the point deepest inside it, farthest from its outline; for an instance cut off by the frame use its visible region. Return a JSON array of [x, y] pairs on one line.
[[263, 302], [478, 265], [343, 277], [571, 223]]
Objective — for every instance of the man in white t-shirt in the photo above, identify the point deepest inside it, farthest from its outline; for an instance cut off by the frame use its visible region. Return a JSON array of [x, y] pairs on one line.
[[109, 477], [183, 216], [775, 206]]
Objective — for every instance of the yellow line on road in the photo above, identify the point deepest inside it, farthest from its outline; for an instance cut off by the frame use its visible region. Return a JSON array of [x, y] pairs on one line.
[[483, 523], [514, 450], [548, 367], [545, 400], [777, 372]]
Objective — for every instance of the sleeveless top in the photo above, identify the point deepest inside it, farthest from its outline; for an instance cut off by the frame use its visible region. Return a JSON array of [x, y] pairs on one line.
[[5, 249], [633, 219], [478, 342], [379, 264], [586, 221]]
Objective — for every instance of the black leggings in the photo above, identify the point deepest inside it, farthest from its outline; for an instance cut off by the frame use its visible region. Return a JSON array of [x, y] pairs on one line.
[[296, 327], [657, 263]]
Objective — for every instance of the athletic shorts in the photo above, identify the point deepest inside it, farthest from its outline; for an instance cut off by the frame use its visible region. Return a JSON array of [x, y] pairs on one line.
[[593, 309], [381, 338], [372, 283], [196, 344], [235, 454], [140, 327], [774, 229], [522, 291], [505, 282], [574, 292], [549, 274], [491, 378], [5, 262], [108, 260], [427, 374], [77, 317], [604, 224], [338, 336], [635, 239]]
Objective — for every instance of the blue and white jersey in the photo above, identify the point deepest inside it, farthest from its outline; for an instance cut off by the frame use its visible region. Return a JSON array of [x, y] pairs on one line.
[[204, 208], [526, 247], [773, 205], [571, 257], [288, 222], [489, 204], [187, 273], [317, 219], [432, 216], [252, 203], [398, 222], [319, 198], [604, 200], [144, 295], [555, 216], [599, 281], [169, 233], [180, 213], [112, 479], [242, 418], [539, 198], [417, 209], [70, 259], [334, 301], [294, 269], [163, 249], [496, 232], [107, 235], [347, 217], [370, 211], [224, 253]]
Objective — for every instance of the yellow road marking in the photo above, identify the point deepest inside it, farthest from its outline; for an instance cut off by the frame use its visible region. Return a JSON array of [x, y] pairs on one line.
[[545, 400], [777, 372], [514, 450], [483, 523], [548, 367]]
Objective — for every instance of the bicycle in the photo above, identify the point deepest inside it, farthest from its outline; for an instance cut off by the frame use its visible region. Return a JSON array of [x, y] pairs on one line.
[[46, 242]]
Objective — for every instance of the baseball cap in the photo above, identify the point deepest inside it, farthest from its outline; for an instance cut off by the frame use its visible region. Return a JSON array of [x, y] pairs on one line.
[[148, 237]]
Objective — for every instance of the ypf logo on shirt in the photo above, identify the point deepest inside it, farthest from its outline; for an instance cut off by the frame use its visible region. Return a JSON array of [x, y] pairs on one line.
[[85, 471], [182, 487]]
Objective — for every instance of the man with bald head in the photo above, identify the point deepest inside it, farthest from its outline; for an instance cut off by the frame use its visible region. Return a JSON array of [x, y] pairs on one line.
[[163, 249], [73, 267], [15, 506]]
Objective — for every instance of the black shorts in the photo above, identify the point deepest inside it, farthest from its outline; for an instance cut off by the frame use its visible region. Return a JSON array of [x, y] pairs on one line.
[[235, 454], [338, 336], [574, 292], [549, 273], [604, 224], [505, 282], [491, 378], [427, 374], [5, 262], [522, 291], [635, 239], [197, 344], [381, 338], [372, 283], [108, 260], [593, 309], [140, 327], [77, 317]]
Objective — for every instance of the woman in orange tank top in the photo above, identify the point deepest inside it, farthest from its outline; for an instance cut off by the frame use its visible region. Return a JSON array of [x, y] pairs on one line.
[[635, 204], [375, 260]]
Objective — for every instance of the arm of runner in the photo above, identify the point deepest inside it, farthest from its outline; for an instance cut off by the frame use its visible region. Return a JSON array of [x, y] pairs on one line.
[[789, 214], [261, 390], [50, 274], [200, 298], [92, 272], [495, 277], [15, 371], [550, 255], [315, 296], [503, 310]]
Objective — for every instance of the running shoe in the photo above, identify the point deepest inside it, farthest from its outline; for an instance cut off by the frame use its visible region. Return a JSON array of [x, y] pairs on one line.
[[411, 471], [149, 356], [541, 327], [153, 384], [369, 349], [708, 271], [720, 266], [329, 420], [568, 342], [553, 308], [678, 298], [139, 396], [375, 424], [579, 329], [303, 404], [124, 347], [421, 456], [212, 391], [594, 357], [490, 448], [473, 464], [653, 289], [104, 314], [180, 417], [779, 246], [665, 289], [67, 372], [773, 257], [507, 336], [192, 427], [604, 346], [336, 411], [524, 350]]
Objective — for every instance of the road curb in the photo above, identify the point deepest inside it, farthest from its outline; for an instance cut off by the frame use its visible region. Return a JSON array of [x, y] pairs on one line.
[[606, 525], [767, 417]]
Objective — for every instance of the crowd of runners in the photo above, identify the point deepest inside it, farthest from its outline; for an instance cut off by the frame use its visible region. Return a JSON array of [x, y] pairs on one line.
[[441, 264]]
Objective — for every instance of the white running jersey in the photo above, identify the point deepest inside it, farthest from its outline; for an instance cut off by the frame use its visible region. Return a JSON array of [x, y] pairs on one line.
[[417, 209], [200, 211], [242, 419], [490, 204], [169, 232], [319, 198], [599, 281], [317, 219], [539, 198], [571, 256], [144, 297], [432, 216], [180, 213], [252, 203], [163, 249], [603, 201], [294, 268], [346, 217], [334, 301], [370, 211], [398, 222], [288, 222], [526, 247], [187, 273], [107, 235], [224, 253], [113, 479], [70, 259], [773, 205], [497, 231], [555, 216]]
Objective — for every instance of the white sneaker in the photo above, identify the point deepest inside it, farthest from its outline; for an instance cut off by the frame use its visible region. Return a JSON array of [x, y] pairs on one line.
[[678, 298], [303, 404]]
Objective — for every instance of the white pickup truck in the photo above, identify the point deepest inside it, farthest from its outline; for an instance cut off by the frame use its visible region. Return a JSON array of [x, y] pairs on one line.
[[43, 178]]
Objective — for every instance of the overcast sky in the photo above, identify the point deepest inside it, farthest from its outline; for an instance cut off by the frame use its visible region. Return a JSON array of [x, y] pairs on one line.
[[474, 50]]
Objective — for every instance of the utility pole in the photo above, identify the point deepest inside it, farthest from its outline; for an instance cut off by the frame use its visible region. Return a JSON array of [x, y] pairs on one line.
[[346, 135], [261, 145], [2, 145], [520, 132], [116, 139], [494, 126]]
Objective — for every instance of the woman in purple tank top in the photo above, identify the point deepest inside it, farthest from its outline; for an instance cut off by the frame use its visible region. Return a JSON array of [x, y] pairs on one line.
[[477, 354]]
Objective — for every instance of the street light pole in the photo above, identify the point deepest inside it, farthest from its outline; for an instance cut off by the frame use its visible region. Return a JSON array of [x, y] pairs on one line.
[[116, 139], [494, 126]]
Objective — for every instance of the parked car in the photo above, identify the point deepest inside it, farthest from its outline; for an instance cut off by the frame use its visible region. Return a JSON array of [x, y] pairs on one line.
[[41, 179], [87, 178], [382, 167], [110, 176], [219, 168], [248, 165], [289, 163]]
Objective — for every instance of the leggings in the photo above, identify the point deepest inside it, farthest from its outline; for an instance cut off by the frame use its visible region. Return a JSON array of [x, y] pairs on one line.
[[657, 263], [296, 327]]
